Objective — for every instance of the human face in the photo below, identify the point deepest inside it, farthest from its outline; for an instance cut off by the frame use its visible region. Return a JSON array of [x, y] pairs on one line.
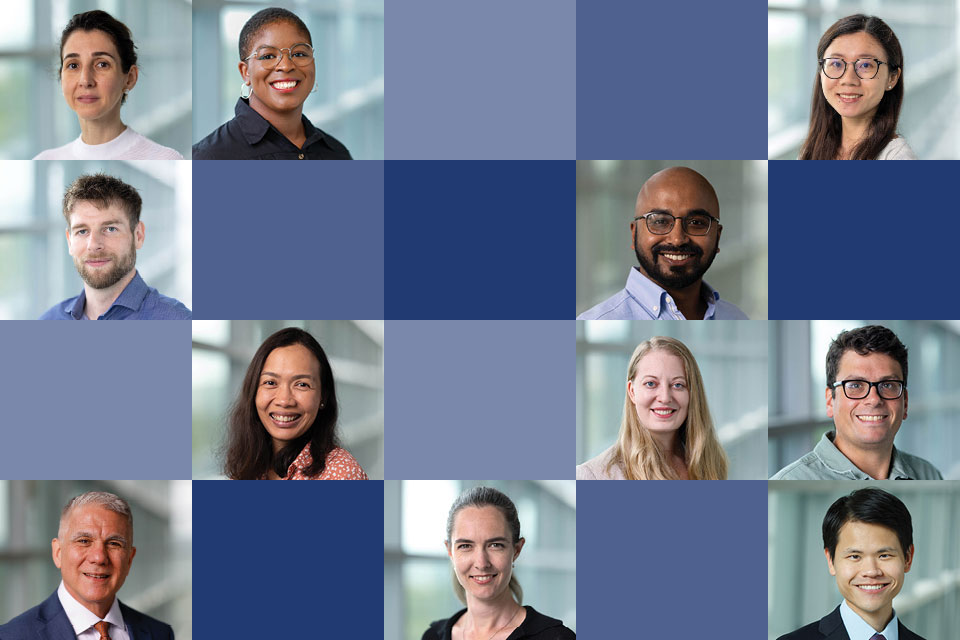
[[288, 394], [286, 87], [675, 260], [851, 96], [869, 566], [659, 392], [870, 423], [102, 244], [94, 555], [482, 551], [91, 77]]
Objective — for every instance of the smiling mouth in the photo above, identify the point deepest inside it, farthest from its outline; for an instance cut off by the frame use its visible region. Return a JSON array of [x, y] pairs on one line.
[[849, 97], [97, 576], [285, 419], [872, 419], [872, 588], [284, 85], [664, 413], [484, 579]]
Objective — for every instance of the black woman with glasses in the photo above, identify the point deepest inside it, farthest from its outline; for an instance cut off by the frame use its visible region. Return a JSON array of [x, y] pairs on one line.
[[278, 71], [866, 396], [675, 234], [857, 94]]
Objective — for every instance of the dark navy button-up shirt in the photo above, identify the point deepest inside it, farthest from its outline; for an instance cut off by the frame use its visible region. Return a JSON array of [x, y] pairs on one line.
[[136, 302], [250, 137]]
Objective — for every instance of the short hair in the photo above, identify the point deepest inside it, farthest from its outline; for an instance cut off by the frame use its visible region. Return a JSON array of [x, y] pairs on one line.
[[103, 191], [118, 32], [103, 499], [249, 449], [261, 19], [865, 340], [870, 505], [486, 497]]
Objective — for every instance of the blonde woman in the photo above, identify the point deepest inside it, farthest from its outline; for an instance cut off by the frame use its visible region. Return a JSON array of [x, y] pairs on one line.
[[667, 432]]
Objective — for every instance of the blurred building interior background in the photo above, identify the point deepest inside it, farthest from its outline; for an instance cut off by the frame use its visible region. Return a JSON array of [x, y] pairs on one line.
[[929, 34], [798, 381], [417, 576], [222, 350], [606, 197], [732, 357]]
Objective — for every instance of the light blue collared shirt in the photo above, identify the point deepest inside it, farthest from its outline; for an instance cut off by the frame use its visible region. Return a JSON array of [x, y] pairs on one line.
[[858, 629], [137, 301], [644, 299]]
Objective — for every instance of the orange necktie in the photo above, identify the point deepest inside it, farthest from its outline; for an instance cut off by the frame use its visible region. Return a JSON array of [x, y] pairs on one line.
[[102, 627]]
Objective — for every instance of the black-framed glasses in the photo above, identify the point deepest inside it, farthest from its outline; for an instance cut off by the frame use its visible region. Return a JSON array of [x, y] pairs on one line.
[[300, 54], [865, 68], [860, 389], [694, 224]]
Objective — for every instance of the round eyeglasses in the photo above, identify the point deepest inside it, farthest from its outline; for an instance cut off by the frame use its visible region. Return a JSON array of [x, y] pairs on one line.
[[865, 68], [269, 57], [860, 389], [693, 224]]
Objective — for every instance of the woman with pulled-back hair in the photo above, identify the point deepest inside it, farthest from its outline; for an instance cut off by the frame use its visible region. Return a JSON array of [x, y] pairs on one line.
[[857, 94], [483, 541]]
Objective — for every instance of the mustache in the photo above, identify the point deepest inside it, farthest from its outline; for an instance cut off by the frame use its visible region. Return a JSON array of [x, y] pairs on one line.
[[687, 247]]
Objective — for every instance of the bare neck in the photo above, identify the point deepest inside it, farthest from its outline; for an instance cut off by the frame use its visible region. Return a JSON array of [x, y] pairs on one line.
[[854, 131], [99, 300], [485, 618], [101, 130], [669, 443]]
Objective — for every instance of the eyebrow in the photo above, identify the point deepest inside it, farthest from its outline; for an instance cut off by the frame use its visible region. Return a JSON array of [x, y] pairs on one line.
[[296, 377], [859, 55], [689, 212], [106, 223], [497, 539], [87, 534], [880, 550], [95, 54]]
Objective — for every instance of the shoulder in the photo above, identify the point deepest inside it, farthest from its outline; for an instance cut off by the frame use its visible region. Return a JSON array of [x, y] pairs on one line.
[[919, 468], [729, 311], [157, 630], [540, 627], [596, 468], [615, 307], [802, 469], [57, 153], [897, 149], [59, 311], [160, 307], [146, 149], [340, 465], [810, 631], [906, 634], [338, 149], [220, 144], [28, 624]]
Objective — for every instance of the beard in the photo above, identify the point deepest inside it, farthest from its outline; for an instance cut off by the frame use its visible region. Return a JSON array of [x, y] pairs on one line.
[[114, 272], [675, 276]]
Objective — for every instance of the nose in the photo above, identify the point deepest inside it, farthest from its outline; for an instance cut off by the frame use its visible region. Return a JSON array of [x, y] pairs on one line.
[[94, 240], [86, 76], [285, 54], [873, 397], [284, 397], [97, 553], [664, 393], [850, 75], [677, 235], [871, 569]]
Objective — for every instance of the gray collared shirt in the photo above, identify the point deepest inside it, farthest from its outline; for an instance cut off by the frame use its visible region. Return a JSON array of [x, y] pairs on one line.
[[826, 462]]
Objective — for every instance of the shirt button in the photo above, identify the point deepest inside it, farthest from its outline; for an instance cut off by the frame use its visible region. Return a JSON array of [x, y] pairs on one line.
[[656, 308], [301, 156]]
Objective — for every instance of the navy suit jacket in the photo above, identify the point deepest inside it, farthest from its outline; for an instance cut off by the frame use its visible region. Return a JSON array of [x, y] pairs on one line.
[[48, 621], [831, 627]]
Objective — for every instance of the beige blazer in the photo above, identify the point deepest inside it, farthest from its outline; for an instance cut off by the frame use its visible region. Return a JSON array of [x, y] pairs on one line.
[[596, 468]]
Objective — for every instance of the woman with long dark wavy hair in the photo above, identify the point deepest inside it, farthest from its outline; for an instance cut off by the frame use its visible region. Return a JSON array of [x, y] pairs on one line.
[[283, 423], [857, 94]]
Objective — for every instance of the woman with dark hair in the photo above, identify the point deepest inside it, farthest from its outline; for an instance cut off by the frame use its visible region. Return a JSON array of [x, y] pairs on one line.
[[278, 71], [857, 94], [98, 68], [483, 541], [283, 423]]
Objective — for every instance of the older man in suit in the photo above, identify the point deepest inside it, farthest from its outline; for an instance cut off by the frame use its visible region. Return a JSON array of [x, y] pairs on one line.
[[868, 543], [93, 550]]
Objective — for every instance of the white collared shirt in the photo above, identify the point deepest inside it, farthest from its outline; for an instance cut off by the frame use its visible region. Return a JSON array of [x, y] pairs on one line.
[[858, 629], [82, 619]]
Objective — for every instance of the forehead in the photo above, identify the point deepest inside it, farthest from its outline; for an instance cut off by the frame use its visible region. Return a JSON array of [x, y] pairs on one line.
[[81, 42], [660, 362], [855, 45], [293, 359], [480, 522], [94, 518], [866, 536], [872, 367], [677, 191], [87, 212], [282, 33]]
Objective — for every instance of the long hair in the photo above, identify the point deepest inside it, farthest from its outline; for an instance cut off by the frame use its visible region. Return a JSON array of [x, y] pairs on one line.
[[249, 448], [824, 137], [639, 454], [486, 497]]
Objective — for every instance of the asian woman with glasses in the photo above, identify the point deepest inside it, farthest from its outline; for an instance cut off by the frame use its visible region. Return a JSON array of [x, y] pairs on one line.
[[857, 94], [278, 71]]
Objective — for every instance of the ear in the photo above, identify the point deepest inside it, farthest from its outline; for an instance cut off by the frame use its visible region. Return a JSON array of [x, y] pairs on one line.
[[719, 231], [633, 235], [132, 77], [829, 395], [55, 550], [69, 248], [133, 552], [517, 547], [909, 559], [139, 233], [630, 391], [905, 397], [449, 549], [242, 66], [893, 79], [830, 566]]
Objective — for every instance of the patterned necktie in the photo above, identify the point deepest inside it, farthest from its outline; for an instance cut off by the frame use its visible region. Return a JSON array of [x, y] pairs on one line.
[[103, 625], [877, 636]]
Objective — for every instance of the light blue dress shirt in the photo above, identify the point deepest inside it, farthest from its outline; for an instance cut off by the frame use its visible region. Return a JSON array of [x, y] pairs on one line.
[[644, 299], [858, 629], [136, 302]]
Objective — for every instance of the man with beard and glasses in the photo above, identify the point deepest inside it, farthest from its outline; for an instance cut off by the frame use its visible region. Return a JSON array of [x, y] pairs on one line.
[[676, 234], [104, 232]]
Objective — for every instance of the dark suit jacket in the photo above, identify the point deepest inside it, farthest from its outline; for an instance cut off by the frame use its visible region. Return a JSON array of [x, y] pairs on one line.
[[831, 627], [48, 621]]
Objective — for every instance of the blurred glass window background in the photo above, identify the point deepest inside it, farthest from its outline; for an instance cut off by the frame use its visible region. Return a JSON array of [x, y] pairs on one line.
[[36, 270], [606, 197], [929, 33], [348, 41], [732, 356], [159, 583], [417, 586], [798, 418], [927, 603], [222, 350], [38, 118]]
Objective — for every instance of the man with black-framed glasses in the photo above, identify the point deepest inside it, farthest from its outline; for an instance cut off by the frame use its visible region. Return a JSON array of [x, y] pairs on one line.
[[675, 234], [866, 396]]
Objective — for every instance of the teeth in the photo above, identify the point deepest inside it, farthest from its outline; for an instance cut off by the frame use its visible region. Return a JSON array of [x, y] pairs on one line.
[[872, 587], [284, 85], [483, 579], [663, 412], [676, 256], [871, 418], [283, 418]]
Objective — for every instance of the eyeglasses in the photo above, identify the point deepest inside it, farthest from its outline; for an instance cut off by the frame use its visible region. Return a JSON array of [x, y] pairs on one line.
[[269, 57], [693, 224], [860, 389], [865, 68]]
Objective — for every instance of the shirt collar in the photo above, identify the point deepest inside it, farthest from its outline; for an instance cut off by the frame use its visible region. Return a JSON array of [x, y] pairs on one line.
[[303, 460], [834, 460], [858, 629], [660, 304], [131, 297], [82, 618], [254, 126]]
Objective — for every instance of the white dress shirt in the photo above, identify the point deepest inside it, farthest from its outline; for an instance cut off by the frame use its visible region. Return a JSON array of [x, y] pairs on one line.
[[82, 619]]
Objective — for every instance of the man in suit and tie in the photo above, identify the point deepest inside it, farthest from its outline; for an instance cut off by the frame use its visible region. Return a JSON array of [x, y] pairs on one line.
[[868, 543], [93, 550]]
